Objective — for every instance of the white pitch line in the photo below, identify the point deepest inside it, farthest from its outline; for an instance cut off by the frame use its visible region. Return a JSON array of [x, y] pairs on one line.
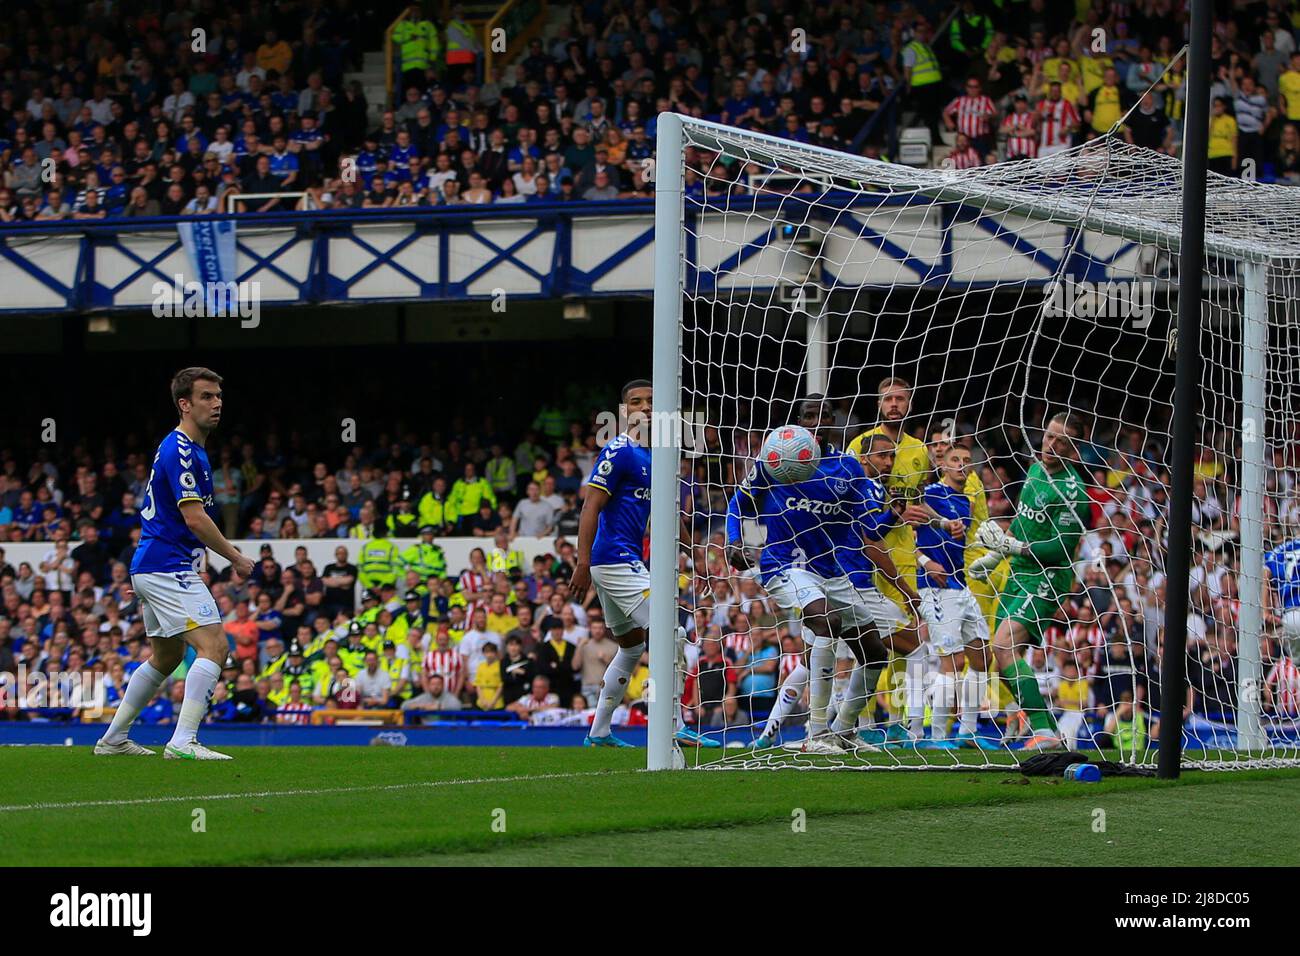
[[262, 794]]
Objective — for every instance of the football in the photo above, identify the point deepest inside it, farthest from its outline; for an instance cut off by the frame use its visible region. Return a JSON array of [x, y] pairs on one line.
[[790, 454]]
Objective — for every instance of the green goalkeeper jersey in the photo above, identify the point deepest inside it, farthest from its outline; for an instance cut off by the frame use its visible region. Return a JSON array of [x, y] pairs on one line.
[[1051, 517]]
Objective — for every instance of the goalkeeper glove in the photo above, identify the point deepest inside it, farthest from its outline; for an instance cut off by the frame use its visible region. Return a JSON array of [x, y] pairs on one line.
[[981, 568], [991, 537]]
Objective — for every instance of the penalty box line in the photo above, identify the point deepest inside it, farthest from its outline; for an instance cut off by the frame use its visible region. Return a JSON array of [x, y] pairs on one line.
[[305, 792]]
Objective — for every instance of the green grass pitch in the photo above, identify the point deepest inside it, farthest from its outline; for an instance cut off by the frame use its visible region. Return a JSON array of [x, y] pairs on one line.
[[508, 806]]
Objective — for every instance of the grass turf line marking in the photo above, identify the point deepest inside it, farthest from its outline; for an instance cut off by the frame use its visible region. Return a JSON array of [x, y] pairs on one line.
[[323, 791]]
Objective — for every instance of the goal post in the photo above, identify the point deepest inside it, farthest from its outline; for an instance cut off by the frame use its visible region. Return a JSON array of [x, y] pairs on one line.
[[664, 456], [1254, 376], [1001, 294]]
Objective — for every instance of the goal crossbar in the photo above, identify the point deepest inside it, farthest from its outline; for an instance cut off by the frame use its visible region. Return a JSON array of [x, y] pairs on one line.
[[1154, 224]]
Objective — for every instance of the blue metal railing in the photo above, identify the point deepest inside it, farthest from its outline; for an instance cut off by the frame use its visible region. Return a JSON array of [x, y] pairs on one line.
[[85, 272]]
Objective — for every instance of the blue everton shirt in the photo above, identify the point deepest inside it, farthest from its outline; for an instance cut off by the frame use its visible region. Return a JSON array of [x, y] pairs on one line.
[[622, 470], [180, 473], [1283, 564], [937, 544], [817, 524]]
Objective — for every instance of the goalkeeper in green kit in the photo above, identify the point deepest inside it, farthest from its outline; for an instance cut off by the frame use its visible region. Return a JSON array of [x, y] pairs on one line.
[[1052, 516]]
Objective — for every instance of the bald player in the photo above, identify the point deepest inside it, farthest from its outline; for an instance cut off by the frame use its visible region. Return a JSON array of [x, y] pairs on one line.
[[903, 486]]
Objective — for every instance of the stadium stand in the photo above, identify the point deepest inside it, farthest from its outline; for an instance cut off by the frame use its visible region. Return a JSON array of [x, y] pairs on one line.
[[151, 111]]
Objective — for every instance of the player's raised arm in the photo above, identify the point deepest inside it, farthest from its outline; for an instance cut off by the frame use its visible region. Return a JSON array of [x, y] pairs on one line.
[[206, 530], [740, 505], [881, 558]]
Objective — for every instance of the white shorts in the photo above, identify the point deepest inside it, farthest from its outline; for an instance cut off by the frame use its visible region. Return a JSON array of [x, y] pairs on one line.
[[1291, 622], [1291, 630], [863, 607], [623, 590], [174, 602], [954, 619], [795, 588]]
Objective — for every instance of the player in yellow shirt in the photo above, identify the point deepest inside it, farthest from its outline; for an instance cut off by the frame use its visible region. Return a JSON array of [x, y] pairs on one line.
[[910, 473], [904, 484]]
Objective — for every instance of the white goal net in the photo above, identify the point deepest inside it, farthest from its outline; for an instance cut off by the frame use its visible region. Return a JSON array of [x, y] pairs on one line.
[[970, 308]]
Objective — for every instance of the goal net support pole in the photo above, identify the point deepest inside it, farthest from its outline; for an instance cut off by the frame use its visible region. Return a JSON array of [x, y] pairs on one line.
[[1196, 120], [818, 370]]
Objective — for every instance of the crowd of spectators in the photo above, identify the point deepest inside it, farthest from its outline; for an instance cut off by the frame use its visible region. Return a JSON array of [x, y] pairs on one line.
[[134, 119], [503, 635], [128, 114], [1053, 76], [499, 635]]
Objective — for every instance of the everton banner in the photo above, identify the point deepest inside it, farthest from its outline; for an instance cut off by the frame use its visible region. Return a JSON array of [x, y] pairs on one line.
[[210, 245]]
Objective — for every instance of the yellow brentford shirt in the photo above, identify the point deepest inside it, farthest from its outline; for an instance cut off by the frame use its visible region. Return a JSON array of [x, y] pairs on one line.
[[985, 591], [1106, 109], [1071, 92], [487, 679], [911, 470], [1173, 102], [1209, 470], [501, 623], [979, 513], [1072, 694], [1052, 69], [1092, 70], [637, 682], [1223, 135], [1289, 85]]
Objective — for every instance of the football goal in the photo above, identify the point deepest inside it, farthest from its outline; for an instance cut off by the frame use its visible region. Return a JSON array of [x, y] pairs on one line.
[[973, 308]]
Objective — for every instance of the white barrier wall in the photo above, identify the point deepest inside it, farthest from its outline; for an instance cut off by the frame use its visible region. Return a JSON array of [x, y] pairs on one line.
[[449, 256], [320, 550]]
